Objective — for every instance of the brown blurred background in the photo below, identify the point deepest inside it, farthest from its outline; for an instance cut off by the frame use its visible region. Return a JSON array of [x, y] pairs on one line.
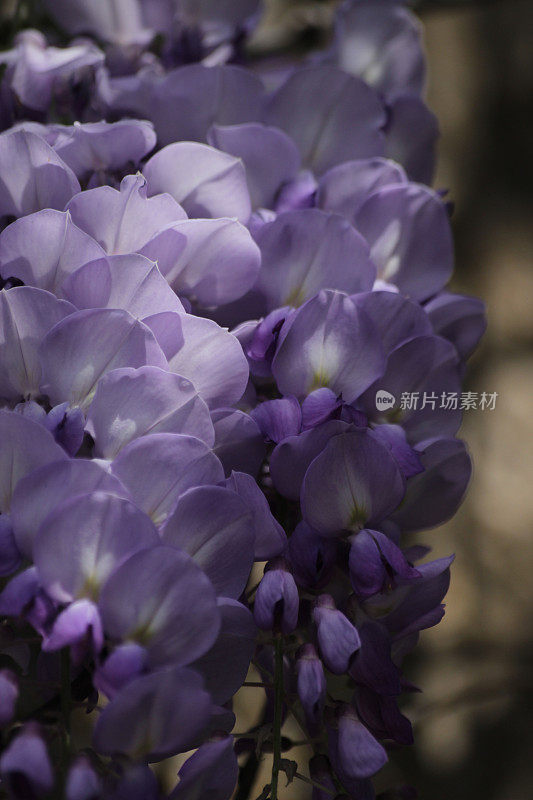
[[474, 720]]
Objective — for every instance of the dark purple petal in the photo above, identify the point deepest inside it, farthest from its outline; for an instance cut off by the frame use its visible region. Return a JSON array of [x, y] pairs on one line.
[[353, 481], [124, 664], [318, 407], [213, 525], [211, 771], [154, 716], [393, 436], [311, 557], [383, 717], [331, 116], [238, 441], [435, 495], [458, 318], [412, 133], [9, 692], [373, 665], [396, 319], [270, 539], [83, 782], [10, 555], [25, 763], [291, 458], [278, 419], [67, 426], [233, 648]]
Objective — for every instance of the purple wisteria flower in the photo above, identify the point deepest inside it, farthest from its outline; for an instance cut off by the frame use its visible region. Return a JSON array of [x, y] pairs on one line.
[[211, 275]]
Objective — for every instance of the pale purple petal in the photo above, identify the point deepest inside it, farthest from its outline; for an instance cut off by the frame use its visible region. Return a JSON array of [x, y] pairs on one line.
[[26, 445], [344, 188], [158, 468], [353, 481], [131, 282], [172, 612], [78, 351], [130, 403], [205, 353], [205, 181], [83, 540], [408, 230], [26, 316], [381, 43], [45, 488], [217, 263], [270, 157], [308, 250], [123, 221], [331, 116], [43, 248], [102, 146], [33, 175], [328, 343]]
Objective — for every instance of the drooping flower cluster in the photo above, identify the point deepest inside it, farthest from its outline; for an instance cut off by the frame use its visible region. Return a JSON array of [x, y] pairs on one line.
[[212, 274]]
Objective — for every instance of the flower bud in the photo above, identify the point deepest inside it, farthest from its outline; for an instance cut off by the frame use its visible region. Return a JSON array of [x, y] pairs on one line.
[[338, 639], [82, 782], [25, 766], [311, 685], [354, 752], [276, 600], [9, 692]]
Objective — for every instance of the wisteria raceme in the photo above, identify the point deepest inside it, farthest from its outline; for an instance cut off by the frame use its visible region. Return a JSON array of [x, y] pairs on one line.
[[211, 270]]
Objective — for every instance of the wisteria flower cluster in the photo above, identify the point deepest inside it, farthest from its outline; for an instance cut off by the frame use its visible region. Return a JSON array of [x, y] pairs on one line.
[[212, 271]]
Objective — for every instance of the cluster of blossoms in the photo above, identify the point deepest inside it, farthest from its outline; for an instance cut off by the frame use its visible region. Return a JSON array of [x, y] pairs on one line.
[[202, 297]]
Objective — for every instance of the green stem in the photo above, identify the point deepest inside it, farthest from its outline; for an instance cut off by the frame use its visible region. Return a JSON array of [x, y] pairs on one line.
[[278, 714], [66, 698]]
